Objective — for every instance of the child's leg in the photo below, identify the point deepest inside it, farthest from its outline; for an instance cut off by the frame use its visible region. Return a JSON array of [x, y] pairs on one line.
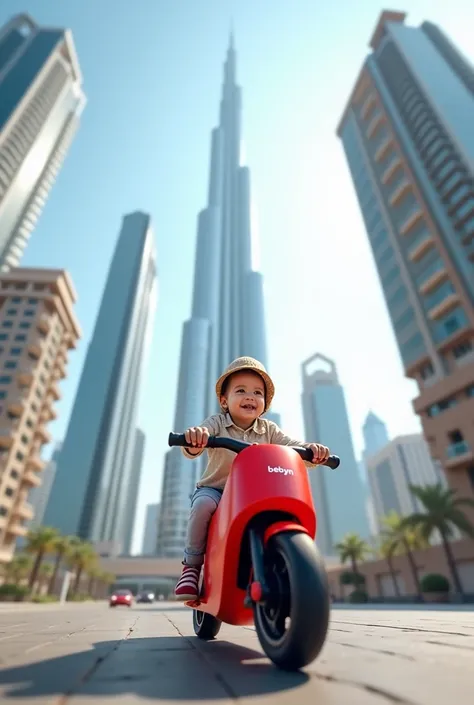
[[203, 505]]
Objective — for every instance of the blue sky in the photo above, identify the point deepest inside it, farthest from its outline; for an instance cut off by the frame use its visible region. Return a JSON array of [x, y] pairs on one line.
[[152, 74]]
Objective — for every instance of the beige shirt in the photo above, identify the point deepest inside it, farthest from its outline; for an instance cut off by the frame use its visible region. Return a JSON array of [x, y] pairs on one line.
[[220, 459]]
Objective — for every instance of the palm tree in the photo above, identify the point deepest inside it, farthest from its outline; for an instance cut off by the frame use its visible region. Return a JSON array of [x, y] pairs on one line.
[[404, 538], [354, 549], [442, 513], [387, 550], [62, 546], [40, 541], [82, 557], [18, 568], [44, 574]]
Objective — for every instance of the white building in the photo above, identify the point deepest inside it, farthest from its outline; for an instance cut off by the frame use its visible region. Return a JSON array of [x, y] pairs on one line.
[[403, 462]]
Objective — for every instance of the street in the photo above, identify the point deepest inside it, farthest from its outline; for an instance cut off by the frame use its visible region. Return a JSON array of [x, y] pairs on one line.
[[82, 654]]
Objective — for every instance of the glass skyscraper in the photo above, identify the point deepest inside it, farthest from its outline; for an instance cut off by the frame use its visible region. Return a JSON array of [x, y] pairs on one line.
[[408, 136], [227, 319], [338, 495], [91, 491], [41, 100]]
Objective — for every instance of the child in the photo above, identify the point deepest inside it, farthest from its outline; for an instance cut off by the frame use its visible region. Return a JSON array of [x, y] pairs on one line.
[[245, 392]]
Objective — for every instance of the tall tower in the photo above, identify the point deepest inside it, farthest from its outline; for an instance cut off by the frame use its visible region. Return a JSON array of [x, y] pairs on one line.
[[133, 491], [408, 138], [95, 468], [375, 434], [227, 318], [41, 100], [338, 494]]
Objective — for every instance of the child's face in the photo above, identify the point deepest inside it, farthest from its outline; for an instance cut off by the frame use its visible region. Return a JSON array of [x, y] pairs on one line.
[[244, 398]]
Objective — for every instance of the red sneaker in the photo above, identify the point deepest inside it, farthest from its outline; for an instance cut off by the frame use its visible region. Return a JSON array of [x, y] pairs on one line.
[[187, 587]]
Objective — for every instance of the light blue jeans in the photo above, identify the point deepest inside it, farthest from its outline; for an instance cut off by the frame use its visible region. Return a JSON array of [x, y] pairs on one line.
[[204, 503]]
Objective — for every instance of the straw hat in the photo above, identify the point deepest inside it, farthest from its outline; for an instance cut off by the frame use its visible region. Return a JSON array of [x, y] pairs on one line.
[[252, 365]]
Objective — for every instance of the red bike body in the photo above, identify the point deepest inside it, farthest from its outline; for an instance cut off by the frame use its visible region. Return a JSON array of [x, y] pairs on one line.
[[282, 499]]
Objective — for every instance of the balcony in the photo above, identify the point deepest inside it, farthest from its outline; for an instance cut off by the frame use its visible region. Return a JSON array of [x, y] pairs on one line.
[[377, 120], [399, 192], [54, 392], [444, 306], [417, 252], [458, 454], [16, 406], [24, 510], [47, 413], [35, 349], [34, 461], [391, 169], [433, 281], [44, 323], [59, 368], [16, 529], [31, 479], [26, 375], [383, 149], [368, 103], [411, 221], [42, 433]]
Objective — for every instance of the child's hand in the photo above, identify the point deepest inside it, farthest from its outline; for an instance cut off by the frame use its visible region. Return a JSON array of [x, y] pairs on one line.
[[197, 436], [320, 453]]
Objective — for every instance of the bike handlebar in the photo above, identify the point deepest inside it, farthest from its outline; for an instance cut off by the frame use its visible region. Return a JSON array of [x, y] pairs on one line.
[[179, 439]]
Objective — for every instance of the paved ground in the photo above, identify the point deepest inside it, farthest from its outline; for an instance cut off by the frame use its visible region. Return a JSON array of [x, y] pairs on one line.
[[88, 654]]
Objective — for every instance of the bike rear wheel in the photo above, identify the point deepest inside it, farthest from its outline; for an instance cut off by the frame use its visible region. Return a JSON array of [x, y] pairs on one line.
[[292, 625]]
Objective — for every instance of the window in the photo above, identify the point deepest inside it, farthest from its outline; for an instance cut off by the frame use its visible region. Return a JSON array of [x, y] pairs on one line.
[[439, 294], [15, 351], [6, 379], [25, 324], [29, 423], [462, 349], [11, 364], [32, 301], [12, 311], [20, 337], [29, 312], [16, 300], [3, 511], [19, 456], [9, 492], [25, 440], [3, 394], [7, 324], [449, 324], [3, 336], [14, 474]]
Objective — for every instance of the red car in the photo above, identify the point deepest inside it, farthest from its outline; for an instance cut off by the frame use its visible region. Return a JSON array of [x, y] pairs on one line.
[[121, 597]]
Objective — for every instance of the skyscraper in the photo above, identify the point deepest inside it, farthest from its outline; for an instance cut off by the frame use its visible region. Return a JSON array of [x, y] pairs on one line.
[[41, 100], [227, 318], [338, 494], [375, 434], [150, 532], [408, 138], [403, 462], [91, 488], [133, 490]]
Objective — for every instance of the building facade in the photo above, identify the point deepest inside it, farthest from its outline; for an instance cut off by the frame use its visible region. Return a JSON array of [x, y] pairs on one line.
[[133, 490], [227, 318], [150, 532], [39, 495], [41, 100], [37, 329], [338, 494], [375, 434], [403, 462], [90, 491], [408, 138]]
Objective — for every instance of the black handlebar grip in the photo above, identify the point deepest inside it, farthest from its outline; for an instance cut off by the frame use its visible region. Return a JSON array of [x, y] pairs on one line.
[[177, 439], [333, 462]]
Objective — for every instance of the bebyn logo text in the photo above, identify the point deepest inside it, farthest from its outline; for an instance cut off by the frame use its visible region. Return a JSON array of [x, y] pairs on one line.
[[283, 471]]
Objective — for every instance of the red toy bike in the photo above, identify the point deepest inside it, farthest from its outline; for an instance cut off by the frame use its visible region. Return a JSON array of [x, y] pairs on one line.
[[261, 565]]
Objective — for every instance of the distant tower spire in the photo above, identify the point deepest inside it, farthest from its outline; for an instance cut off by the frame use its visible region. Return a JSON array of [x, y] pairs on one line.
[[231, 35]]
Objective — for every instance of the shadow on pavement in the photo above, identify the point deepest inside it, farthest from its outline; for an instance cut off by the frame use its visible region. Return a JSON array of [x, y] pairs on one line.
[[161, 668], [409, 607]]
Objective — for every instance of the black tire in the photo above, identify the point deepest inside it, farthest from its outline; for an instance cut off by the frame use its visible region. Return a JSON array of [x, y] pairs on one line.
[[299, 591], [205, 625]]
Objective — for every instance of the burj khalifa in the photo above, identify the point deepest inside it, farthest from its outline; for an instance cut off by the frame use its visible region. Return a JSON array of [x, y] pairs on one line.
[[227, 318]]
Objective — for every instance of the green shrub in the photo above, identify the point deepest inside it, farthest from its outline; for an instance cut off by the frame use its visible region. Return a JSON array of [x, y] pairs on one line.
[[358, 596], [9, 592], [433, 582], [350, 578], [41, 599]]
